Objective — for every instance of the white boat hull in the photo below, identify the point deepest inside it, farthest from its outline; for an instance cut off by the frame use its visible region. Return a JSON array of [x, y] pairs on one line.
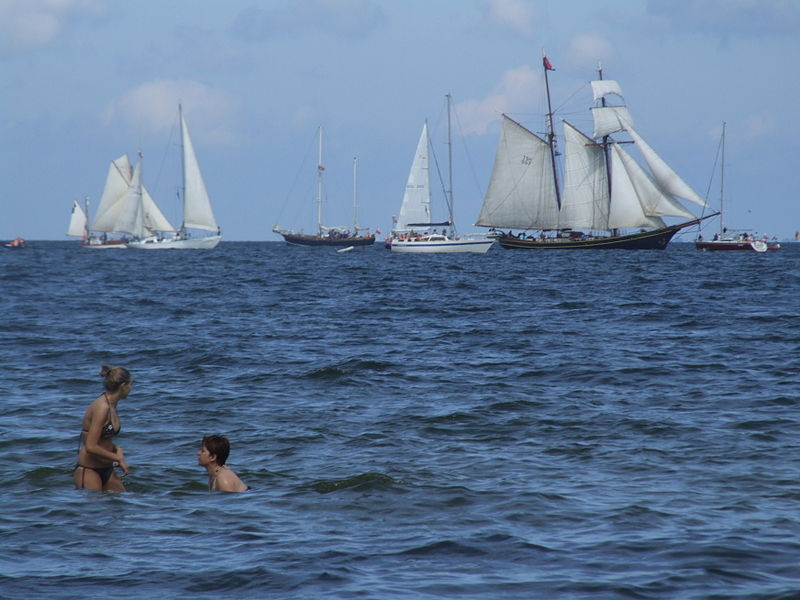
[[197, 243], [424, 245]]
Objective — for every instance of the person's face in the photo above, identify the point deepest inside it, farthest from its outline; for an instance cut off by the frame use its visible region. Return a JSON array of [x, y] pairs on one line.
[[126, 388], [204, 457]]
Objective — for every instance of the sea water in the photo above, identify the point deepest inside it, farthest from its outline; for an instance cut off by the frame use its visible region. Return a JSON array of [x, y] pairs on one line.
[[520, 424]]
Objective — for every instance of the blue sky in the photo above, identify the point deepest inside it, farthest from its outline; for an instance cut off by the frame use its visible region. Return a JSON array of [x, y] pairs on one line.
[[85, 81]]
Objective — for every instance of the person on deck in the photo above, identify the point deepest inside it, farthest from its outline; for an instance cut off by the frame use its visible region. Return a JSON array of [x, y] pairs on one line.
[[212, 455], [97, 454]]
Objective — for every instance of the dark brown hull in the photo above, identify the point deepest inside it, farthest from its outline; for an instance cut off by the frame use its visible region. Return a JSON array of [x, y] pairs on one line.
[[300, 239], [655, 239], [728, 245]]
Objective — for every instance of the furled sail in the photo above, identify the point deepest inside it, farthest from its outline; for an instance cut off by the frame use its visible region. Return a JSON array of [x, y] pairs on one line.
[[114, 194], [196, 203], [416, 206], [521, 192]]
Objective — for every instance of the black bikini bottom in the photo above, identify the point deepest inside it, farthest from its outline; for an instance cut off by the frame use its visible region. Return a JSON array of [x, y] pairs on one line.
[[103, 472]]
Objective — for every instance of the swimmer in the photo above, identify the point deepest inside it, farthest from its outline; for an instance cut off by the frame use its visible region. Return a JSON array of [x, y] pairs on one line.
[[212, 455], [97, 454]]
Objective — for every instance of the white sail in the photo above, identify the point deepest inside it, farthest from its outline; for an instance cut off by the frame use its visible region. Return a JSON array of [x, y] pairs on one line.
[[603, 87], [197, 211], [77, 221], [521, 192], [585, 199], [416, 206], [654, 202], [626, 209], [610, 119], [131, 217], [668, 179], [153, 219], [114, 193]]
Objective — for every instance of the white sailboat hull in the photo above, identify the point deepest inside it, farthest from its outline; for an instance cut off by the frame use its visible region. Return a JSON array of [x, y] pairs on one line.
[[198, 243], [440, 245]]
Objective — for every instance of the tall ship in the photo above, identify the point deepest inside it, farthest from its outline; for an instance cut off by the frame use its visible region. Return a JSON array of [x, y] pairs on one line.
[[732, 239], [607, 199], [340, 237]]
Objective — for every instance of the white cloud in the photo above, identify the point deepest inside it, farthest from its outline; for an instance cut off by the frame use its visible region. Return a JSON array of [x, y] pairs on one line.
[[33, 23], [152, 107], [758, 126], [512, 94], [516, 15], [589, 48]]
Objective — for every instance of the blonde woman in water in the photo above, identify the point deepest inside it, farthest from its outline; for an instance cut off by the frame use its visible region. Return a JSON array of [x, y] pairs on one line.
[[98, 455]]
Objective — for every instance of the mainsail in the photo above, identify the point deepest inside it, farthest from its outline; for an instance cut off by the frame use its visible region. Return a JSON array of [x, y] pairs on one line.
[[416, 206], [522, 189], [197, 213]]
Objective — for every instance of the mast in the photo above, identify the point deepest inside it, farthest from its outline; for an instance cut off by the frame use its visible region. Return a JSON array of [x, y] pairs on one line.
[[605, 143], [183, 169], [721, 184], [450, 169], [86, 224], [551, 134], [320, 169], [355, 217]]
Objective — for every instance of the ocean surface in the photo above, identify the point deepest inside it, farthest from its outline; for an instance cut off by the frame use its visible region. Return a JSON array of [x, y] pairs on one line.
[[559, 425]]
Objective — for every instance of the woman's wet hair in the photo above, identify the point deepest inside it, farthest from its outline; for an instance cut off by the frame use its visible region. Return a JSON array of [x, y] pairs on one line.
[[114, 377]]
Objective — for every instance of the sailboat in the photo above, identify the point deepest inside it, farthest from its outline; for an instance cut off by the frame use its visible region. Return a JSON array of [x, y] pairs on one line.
[[328, 236], [605, 191], [198, 215], [724, 240], [414, 230], [110, 218]]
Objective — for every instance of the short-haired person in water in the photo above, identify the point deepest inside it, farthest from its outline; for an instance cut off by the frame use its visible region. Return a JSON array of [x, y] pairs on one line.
[[97, 454], [212, 455]]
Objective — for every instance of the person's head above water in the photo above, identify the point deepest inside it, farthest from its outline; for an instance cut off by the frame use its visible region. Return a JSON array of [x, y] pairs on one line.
[[218, 446], [114, 377]]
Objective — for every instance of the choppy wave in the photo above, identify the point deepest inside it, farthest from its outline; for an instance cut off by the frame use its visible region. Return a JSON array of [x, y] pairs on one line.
[[512, 425]]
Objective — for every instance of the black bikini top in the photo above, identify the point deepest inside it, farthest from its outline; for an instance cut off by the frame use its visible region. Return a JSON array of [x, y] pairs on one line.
[[108, 431]]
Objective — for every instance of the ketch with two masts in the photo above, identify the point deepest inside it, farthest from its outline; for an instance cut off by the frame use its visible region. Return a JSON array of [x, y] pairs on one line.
[[328, 236]]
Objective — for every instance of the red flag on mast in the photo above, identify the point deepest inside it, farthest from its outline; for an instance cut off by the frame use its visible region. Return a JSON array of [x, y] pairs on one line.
[[547, 64]]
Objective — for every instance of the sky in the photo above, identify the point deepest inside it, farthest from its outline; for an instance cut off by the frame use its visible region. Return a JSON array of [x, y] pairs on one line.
[[86, 81]]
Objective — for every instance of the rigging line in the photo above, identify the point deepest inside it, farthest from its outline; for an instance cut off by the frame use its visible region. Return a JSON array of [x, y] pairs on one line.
[[713, 175], [466, 152], [439, 173], [164, 157], [300, 171]]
